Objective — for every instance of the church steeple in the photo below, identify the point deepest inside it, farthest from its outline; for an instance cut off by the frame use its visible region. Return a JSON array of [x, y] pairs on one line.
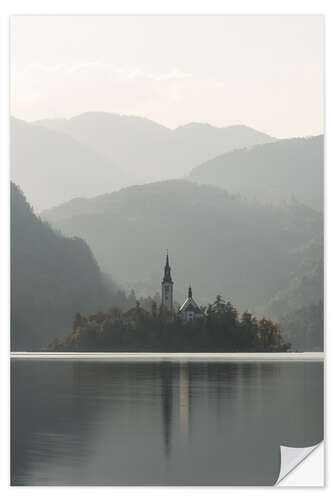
[[167, 286], [190, 292], [167, 271]]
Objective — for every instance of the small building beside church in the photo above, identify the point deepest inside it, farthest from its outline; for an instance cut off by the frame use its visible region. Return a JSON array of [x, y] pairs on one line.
[[190, 309]]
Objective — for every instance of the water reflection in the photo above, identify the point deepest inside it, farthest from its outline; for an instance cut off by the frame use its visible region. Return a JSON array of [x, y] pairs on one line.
[[167, 403], [184, 399], [100, 423]]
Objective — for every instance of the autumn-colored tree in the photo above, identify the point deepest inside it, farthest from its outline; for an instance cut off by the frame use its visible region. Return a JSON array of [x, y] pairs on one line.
[[220, 329], [153, 308]]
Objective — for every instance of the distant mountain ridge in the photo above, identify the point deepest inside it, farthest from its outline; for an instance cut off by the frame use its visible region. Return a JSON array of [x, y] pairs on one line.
[[273, 172], [216, 240], [89, 154], [53, 167], [149, 150]]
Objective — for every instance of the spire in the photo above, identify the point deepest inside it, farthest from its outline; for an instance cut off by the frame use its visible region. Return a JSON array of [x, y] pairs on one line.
[[167, 271], [190, 292]]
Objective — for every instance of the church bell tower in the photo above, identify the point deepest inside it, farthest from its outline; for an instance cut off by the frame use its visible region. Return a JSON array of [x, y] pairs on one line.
[[167, 287]]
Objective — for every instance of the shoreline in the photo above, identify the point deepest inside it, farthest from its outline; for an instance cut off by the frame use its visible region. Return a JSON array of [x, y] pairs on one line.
[[158, 356]]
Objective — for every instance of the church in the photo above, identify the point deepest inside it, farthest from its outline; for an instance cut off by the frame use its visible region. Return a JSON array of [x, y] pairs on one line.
[[190, 309]]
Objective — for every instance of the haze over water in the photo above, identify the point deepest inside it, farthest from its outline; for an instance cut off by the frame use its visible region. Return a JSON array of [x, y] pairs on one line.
[[165, 423]]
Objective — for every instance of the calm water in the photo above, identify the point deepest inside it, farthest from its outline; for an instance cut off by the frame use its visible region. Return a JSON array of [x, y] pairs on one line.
[[160, 423]]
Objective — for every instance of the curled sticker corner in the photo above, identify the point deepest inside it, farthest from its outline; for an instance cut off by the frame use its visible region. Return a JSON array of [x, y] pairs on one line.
[[291, 458]]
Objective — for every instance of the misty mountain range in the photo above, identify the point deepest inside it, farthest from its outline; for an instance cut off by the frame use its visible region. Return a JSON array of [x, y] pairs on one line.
[[52, 167], [93, 153], [149, 150], [216, 240], [243, 218]]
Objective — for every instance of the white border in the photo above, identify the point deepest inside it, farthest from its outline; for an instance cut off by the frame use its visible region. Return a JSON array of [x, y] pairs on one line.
[[292, 7]]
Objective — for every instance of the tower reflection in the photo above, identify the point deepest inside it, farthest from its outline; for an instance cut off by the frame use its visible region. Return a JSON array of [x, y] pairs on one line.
[[167, 402], [184, 399], [175, 384]]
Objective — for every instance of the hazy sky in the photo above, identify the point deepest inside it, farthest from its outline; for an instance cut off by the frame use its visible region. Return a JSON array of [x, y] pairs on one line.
[[262, 71]]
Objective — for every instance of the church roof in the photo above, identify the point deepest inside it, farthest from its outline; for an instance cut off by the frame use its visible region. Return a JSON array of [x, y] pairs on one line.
[[190, 304]]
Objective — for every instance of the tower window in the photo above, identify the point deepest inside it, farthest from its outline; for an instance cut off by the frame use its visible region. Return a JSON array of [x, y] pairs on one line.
[[167, 288]]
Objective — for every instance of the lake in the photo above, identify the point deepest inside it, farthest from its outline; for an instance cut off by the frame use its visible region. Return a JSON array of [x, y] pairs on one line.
[[107, 422]]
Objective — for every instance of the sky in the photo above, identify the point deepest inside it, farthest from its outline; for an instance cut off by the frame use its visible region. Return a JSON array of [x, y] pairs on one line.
[[266, 72]]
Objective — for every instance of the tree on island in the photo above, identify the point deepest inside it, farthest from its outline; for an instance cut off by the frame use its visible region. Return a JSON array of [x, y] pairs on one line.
[[221, 329]]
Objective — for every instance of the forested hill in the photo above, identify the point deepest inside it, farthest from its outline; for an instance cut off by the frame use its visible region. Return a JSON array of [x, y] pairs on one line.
[[299, 307], [52, 277], [216, 241], [271, 172], [304, 328]]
